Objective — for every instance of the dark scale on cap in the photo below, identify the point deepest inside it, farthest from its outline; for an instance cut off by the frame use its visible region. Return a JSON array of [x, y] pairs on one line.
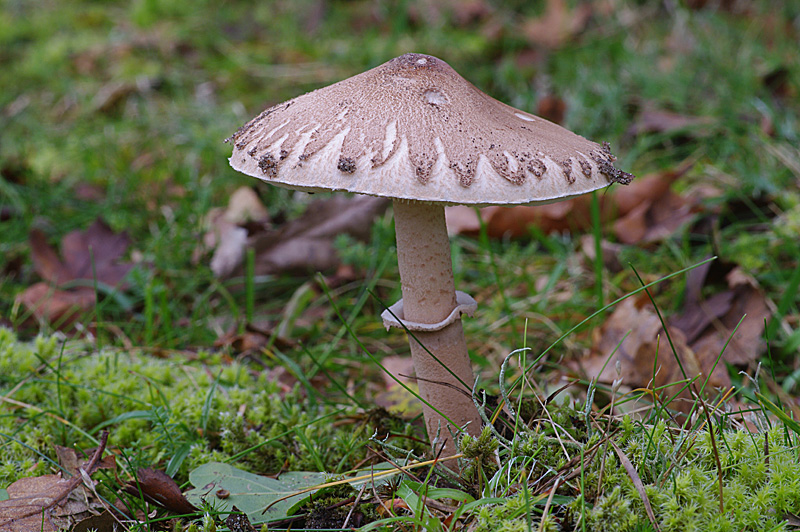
[[567, 167], [501, 165], [537, 167], [613, 174], [586, 168], [465, 172], [346, 165], [268, 165], [252, 151], [283, 154], [604, 160], [423, 166], [424, 172]]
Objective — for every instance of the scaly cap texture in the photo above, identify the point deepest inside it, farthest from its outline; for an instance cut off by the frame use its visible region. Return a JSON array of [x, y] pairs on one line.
[[414, 129]]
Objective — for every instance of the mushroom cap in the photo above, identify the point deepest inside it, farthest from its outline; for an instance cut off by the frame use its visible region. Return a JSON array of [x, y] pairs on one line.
[[413, 129]]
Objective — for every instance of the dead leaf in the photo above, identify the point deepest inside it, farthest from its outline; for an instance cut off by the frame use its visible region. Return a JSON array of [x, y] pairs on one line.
[[699, 334], [305, 244], [558, 24], [651, 120], [87, 255], [396, 398], [30, 504], [645, 210], [60, 308], [225, 233], [245, 206], [552, 108], [69, 460], [710, 323], [645, 350], [158, 488], [654, 220], [97, 250], [462, 220], [252, 339], [610, 253], [50, 502]]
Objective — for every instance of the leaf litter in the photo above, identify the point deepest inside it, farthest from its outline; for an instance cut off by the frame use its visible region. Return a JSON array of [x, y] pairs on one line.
[[54, 502], [644, 211], [67, 292], [725, 328], [300, 246]]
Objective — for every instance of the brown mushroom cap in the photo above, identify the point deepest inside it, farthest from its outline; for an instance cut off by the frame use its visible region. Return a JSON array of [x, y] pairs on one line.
[[414, 129]]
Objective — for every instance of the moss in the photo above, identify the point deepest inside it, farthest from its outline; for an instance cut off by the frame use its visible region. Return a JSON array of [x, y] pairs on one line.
[[155, 407], [480, 457], [679, 472], [612, 512]]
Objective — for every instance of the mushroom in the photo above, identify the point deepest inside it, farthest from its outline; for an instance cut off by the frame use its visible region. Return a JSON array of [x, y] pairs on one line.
[[414, 130]]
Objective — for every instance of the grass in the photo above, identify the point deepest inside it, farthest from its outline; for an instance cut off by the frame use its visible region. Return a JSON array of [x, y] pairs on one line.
[[118, 110]]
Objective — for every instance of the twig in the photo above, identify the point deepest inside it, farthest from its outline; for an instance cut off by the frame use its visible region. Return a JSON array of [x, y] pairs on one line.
[[70, 485]]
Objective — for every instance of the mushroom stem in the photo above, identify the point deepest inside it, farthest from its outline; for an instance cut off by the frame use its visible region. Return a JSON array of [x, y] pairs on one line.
[[426, 273]]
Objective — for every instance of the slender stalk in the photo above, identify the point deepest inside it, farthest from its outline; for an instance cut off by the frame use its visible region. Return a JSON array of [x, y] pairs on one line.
[[426, 273]]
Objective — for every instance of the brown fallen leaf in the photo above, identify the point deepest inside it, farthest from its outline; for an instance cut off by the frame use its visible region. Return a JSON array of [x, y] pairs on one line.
[[644, 351], [643, 209], [700, 334], [653, 120], [557, 24], [252, 339], [709, 323], [31, 503], [305, 244], [228, 230], [395, 398], [70, 461], [609, 251], [98, 244], [87, 255], [158, 488], [50, 502], [654, 220], [60, 308], [551, 108]]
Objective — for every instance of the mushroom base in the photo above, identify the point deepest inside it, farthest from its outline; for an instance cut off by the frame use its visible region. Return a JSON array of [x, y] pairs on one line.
[[442, 390], [442, 366]]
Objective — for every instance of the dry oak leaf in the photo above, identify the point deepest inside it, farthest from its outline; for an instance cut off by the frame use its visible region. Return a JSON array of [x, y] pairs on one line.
[[226, 232], [60, 308], [80, 249]]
